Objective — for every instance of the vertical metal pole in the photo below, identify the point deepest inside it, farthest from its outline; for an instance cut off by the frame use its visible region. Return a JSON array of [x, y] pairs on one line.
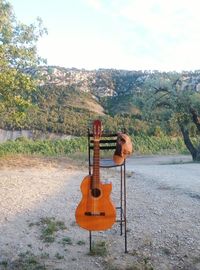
[[89, 158], [125, 221], [89, 168], [90, 237], [121, 202]]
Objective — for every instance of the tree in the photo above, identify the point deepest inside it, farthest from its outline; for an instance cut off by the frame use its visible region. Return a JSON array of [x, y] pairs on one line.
[[183, 103], [18, 52]]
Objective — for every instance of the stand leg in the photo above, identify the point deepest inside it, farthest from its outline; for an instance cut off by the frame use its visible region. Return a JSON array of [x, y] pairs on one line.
[[125, 221], [121, 202], [90, 238]]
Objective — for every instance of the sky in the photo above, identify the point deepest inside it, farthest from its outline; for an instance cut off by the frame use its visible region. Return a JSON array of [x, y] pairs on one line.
[[121, 34]]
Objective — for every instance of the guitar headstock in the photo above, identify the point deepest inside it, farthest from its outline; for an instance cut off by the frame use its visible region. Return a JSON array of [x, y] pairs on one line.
[[97, 129]]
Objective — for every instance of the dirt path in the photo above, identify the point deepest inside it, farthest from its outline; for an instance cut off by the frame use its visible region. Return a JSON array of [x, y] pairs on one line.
[[38, 198], [174, 172]]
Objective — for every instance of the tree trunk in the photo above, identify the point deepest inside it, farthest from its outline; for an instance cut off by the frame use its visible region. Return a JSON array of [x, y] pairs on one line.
[[195, 152], [195, 118]]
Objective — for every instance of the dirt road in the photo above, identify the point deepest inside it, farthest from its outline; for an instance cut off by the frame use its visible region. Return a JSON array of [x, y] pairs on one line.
[[175, 172], [38, 198]]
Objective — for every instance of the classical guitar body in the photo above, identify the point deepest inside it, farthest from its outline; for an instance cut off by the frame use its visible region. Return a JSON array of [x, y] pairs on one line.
[[96, 211]]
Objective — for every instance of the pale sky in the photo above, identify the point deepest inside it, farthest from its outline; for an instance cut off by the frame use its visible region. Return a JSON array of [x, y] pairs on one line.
[[120, 34]]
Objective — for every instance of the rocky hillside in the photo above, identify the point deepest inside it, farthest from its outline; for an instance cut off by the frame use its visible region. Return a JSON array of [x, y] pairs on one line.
[[109, 82], [67, 100]]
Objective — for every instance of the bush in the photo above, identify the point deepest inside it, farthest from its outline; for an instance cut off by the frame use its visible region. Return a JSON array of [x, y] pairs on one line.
[[44, 147], [143, 144], [158, 145]]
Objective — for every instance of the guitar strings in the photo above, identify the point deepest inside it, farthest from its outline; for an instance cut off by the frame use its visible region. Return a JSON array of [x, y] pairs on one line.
[[96, 173]]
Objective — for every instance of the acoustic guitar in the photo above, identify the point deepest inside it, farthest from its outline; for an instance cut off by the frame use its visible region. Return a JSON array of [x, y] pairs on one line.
[[96, 211]]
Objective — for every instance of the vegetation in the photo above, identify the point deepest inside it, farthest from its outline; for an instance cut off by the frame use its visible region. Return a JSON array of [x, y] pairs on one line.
[[26, 261], [17, 52], [81, 242], [142, 145], [183, 107], [59, 256], [52, 99], [159, 145], [49, 226], [99, 248], [45, 148], [66, 241]]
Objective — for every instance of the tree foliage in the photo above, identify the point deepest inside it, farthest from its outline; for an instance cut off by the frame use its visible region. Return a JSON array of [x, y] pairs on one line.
[[183, 106], [17, 52]]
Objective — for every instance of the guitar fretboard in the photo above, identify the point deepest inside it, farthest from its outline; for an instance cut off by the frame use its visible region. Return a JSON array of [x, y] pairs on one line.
[[96, 163]]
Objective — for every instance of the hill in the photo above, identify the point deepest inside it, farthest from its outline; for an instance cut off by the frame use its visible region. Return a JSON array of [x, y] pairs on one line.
[[68, 99]]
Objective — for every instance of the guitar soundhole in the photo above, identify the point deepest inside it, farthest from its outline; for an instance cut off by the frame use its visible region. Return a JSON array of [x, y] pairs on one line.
[[96, 192]]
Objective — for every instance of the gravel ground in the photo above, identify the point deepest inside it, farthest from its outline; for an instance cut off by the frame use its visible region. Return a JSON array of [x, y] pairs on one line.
[[163, 215], [182, 175]]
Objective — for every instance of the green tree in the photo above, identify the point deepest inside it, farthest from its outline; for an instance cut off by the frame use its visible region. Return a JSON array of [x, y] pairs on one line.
[[18, 52], [183, 105]]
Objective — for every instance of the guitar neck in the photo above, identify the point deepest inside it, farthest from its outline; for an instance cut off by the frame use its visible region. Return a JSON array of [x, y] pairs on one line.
[[96, 165]]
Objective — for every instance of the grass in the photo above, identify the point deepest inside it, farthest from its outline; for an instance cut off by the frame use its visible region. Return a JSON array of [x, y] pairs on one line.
[[44, 147], [99, 249], [59, 256], [3, 264], [27, 261], [81, 243], [159, 145], [49, 226], [77, 147], [66, 241]]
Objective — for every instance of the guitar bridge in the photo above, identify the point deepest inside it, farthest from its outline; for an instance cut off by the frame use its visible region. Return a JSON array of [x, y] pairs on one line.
[[95, 214]]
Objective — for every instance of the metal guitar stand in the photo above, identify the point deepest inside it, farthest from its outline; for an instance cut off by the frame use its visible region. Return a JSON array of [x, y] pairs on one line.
[[108, 142]]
